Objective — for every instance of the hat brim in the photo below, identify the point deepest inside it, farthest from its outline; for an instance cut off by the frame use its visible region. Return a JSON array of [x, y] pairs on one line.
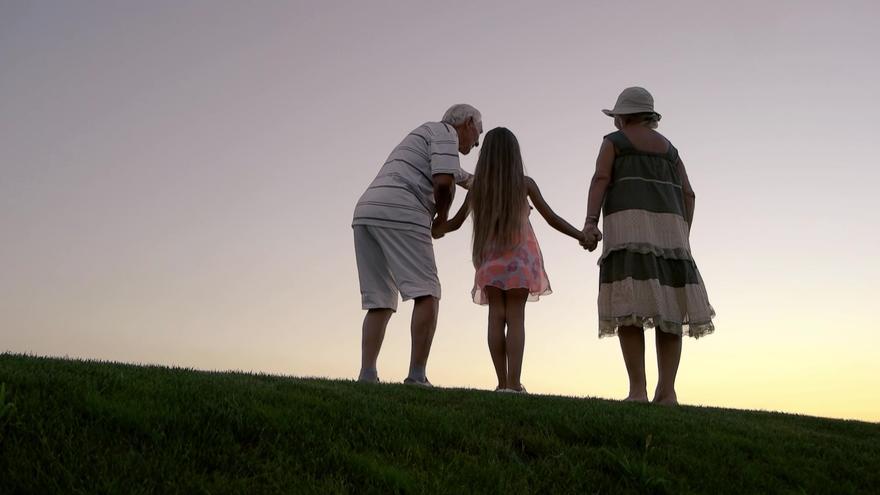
[[612, 113]]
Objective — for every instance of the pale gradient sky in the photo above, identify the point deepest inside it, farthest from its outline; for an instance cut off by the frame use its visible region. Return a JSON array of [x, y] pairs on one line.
[[177, 181]]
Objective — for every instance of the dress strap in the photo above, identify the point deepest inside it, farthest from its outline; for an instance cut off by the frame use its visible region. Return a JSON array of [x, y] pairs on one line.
[[672, 153], [621, 143]]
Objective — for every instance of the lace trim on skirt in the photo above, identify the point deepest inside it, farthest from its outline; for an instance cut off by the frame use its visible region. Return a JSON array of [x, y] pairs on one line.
[[608, 328]]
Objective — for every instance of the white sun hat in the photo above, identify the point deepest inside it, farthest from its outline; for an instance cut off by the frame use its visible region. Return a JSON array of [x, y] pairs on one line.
[[633, 100]]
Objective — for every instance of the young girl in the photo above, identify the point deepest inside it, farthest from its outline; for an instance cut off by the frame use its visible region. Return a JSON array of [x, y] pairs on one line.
[[510, 269]]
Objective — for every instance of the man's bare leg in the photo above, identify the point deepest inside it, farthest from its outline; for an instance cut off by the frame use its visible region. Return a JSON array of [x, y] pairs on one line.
[[423, 326], [373, 333]]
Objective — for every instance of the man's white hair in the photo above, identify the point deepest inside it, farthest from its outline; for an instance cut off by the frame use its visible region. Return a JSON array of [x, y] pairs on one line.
[[459, 113]]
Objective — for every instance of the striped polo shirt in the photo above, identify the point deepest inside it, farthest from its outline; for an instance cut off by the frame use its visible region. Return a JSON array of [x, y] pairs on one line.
[[402, 194]]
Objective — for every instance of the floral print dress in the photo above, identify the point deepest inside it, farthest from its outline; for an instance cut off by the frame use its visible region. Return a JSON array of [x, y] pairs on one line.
[[521, 267]]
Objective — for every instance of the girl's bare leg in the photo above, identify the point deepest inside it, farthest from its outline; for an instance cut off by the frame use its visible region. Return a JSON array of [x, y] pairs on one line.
[[668, 357], [515, 311], [497, 346], [632, 344]]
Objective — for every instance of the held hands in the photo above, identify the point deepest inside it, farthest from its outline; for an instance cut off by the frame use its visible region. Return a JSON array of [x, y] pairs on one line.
[[591, 236]]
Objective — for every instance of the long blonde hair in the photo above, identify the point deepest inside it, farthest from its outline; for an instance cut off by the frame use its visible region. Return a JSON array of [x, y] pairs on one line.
[[498, 194]]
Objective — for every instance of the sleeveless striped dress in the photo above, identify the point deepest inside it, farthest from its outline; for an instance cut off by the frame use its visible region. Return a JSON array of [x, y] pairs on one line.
[[647, 276]]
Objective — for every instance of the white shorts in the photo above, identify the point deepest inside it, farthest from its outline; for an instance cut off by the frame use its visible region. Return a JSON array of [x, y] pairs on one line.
[[391, 261]]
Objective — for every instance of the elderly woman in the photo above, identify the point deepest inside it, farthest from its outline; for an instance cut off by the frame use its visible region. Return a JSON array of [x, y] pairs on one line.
[[647, 276]]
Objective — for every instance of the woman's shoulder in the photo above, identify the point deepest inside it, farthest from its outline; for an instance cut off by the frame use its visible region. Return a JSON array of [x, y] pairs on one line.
[[616, 142], [671, 150], [662, 137], [611, 136], [644, 141]]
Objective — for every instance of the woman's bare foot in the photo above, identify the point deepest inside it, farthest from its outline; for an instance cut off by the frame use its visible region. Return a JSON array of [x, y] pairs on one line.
[[637, 396], [669, 399]]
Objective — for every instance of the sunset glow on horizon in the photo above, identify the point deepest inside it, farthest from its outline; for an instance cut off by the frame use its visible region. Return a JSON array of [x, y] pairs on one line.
[[177, 182]]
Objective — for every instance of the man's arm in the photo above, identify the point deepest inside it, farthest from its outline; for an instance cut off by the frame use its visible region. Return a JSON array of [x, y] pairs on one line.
[[444, 192], [438, 229]]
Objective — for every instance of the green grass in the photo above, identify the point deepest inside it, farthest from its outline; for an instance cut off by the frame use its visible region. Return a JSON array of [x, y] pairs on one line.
[[71, 426]]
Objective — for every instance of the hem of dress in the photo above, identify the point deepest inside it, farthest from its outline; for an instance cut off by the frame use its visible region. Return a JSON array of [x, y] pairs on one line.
[[533, 295], [609, 327]]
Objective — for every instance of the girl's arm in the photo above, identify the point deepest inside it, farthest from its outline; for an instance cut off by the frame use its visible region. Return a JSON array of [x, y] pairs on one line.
[[596, 197], [552, 218], [441, 228], [690, 198]]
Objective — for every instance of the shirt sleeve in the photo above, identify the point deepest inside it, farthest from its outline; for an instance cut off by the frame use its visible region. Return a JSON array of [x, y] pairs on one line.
[[444, 153]]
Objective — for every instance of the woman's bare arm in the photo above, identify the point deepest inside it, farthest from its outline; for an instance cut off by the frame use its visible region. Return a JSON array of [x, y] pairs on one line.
[[596, 197], [690, 199], [549, 215], [601, 180]]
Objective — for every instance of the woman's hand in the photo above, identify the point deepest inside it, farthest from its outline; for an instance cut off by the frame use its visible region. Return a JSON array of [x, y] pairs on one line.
[[592, 236]]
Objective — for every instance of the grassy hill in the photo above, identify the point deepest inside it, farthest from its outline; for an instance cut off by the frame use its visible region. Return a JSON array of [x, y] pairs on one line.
[[90, 427]]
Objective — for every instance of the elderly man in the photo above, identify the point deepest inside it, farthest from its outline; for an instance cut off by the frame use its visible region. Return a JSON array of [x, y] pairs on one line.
[[392, 233]]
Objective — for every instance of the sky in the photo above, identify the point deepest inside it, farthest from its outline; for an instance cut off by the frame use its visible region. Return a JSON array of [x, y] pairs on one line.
[[177, 181]]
